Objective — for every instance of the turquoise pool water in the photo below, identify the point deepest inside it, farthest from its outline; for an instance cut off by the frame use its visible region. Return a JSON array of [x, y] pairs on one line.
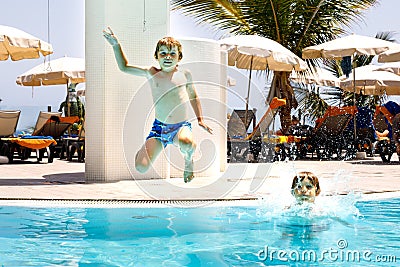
[[362, 234]]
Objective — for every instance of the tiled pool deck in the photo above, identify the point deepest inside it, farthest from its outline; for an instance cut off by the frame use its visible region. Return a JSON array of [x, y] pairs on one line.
[[66, 180]]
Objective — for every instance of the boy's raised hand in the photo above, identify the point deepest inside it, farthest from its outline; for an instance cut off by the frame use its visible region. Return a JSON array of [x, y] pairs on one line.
[[109, 36]]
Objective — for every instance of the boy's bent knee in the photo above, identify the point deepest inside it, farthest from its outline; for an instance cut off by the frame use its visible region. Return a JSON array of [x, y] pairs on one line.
[[185, 141]]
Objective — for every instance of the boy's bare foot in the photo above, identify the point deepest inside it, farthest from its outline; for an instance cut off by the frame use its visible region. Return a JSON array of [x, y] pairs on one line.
[[188, 173]]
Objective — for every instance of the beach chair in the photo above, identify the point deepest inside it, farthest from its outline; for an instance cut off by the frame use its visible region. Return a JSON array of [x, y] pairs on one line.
[[43, 117], [8, 122], [365, 131], [72, 145], [55, 126], [48, 130], [23, 145], [289, 144], [238, 148], [385, 146], [8, 125], [243, 147], [328, 139], [51, 124], [264, 149]]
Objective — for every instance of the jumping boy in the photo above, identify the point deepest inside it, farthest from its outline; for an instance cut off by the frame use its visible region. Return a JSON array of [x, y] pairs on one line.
[[170, 87]]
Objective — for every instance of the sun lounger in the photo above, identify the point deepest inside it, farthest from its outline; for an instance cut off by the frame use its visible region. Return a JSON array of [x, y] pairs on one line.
[[55, 126], [8, 125], [365, 130], [75, 144], [328, 139], [22, 146], [269, 151], [383, 117], [48, 130], [243, 147], [43, 117], [238, 147], [8, 122]]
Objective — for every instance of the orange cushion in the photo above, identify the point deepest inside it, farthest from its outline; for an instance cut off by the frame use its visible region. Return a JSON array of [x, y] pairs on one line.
[[32, 143]]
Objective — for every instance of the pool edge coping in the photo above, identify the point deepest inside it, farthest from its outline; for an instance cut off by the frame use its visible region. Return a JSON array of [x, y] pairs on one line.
[[162, 203]]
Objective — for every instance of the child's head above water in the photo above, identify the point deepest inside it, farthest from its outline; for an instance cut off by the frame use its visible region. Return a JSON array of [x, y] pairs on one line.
[[305, 187]]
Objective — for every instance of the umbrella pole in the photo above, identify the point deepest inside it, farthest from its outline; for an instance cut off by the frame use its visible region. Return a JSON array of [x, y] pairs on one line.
[[354, 97], [67, 111], [248, 93], [67, 103]]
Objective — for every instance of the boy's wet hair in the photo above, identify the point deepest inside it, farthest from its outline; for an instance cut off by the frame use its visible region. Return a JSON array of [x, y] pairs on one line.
[[168, 42], [309, 175]]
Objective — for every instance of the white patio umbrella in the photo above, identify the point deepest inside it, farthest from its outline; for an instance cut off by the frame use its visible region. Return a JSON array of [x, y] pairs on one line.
[[350, 45], [17, 45], [391, 55], [372, 82], [65, 70], [254, 52], [390, 66], [261, 53], [316, 76]]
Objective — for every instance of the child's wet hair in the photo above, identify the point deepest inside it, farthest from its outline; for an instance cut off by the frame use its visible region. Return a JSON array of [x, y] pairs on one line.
[[309, 175], [168, 42]]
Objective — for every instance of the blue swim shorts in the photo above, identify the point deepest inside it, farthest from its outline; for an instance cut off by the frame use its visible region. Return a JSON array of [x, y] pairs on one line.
[[166, 132]]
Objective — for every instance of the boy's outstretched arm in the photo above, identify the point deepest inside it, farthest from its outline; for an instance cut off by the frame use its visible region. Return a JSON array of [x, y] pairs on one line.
[[120, 56], [195, 102]]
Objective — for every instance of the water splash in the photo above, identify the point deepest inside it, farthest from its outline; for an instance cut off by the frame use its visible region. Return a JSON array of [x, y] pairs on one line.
[[337, 199]]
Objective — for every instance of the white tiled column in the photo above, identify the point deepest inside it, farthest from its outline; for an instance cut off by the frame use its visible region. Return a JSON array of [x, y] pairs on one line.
[[138, 24], [119, 111]]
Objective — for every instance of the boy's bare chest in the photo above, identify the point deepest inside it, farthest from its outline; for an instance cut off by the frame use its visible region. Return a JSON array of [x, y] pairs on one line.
[[168, 83]]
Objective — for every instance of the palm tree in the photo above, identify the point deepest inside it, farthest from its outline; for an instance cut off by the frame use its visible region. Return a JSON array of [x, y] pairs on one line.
[[295, 24]]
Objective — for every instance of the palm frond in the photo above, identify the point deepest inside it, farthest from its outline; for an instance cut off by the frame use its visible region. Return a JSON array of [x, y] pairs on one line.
[[295, 24], [224, 14], [313, 106]]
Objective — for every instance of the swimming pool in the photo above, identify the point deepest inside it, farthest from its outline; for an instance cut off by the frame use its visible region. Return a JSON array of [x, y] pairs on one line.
[[360, 234]]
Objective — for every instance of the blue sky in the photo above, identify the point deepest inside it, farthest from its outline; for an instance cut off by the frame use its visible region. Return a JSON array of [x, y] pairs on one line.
[[66, 20], [66, 35]]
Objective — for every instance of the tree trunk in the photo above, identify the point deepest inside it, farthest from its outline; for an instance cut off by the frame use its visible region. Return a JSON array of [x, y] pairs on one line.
[[280, 87]]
